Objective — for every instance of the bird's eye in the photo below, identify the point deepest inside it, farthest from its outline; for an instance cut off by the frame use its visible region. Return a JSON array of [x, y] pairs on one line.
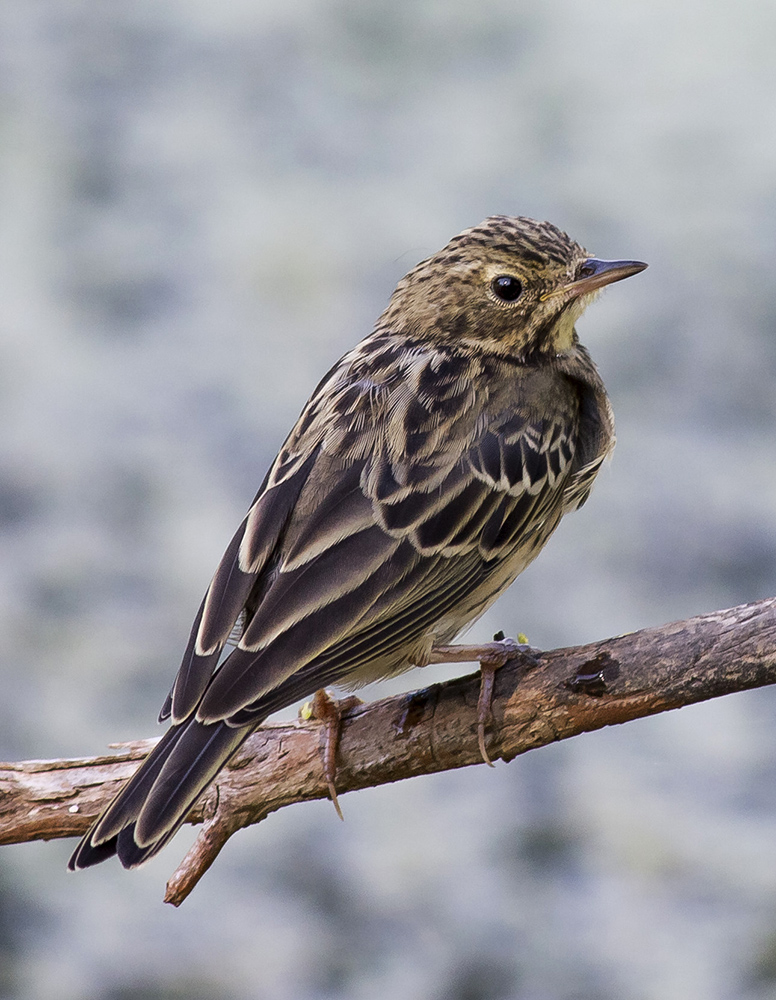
[[585, 271], [506, 287]]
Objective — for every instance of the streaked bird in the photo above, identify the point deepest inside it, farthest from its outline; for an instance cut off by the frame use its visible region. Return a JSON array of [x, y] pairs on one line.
[[428, 469]]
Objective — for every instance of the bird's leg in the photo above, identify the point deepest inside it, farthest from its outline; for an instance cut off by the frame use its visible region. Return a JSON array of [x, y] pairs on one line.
[[329, 711], [491, 656]]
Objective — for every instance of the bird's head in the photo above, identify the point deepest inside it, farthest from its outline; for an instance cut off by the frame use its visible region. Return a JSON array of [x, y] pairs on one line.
[[510, 285]]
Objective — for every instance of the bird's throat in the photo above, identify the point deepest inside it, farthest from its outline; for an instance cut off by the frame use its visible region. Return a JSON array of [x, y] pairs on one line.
[[563, 336]]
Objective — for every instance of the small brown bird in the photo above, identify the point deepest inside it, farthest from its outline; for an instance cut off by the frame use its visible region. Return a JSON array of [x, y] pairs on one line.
[[428, 469]]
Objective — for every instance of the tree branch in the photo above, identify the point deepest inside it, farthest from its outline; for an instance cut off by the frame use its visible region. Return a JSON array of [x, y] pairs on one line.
[[569, 691]]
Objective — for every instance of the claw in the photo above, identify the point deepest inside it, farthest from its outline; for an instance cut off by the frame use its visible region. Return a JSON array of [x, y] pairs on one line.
[[501, 650], [329, 711], [485, 706]]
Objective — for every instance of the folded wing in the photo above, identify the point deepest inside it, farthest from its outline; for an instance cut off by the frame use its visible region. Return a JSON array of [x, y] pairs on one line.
[[399, 502]]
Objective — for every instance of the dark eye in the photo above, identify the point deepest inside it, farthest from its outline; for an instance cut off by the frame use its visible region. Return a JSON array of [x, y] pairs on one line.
[[585, 271], [506, 288]]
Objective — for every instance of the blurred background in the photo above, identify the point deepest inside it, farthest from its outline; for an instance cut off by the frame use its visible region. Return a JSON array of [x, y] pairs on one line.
[[203, 205]]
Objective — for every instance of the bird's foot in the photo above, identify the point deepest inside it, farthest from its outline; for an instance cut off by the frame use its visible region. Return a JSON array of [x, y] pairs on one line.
[[327, 709], [490, 656], [495, 656]]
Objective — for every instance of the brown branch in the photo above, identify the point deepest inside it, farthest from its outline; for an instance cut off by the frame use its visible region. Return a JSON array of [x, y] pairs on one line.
[[570, 691]]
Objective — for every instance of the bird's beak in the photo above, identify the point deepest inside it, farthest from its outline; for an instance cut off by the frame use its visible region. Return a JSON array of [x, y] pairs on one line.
[[594, 274]]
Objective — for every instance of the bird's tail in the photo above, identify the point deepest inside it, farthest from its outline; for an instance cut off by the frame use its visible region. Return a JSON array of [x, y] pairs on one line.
[[153, 804]]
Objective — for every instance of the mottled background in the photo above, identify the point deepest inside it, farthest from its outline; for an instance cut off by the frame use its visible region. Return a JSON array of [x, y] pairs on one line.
[[203, 205]]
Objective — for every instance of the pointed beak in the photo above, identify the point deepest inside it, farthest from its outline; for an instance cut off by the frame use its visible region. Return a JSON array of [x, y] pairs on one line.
[[594, 274]]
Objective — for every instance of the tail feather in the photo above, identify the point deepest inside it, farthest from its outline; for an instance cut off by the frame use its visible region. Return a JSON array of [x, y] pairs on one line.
[[151, 807], [125, 808], [88, 854], [131, 855], [199, 755]]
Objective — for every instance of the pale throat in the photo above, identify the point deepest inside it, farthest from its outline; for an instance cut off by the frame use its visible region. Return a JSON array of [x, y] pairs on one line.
[[563, 336]]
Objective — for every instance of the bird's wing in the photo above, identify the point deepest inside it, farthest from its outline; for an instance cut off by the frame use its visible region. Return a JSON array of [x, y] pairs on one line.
[[235, 579], [504, 492], [400, 493]]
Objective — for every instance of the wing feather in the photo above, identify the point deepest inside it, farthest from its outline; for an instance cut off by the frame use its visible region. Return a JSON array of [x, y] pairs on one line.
[[230, 589], [373, 595], [388, 636], [366, 545], [248, 674]]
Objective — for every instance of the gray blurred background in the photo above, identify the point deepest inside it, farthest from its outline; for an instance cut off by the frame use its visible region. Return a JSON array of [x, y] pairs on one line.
[[203, 205]]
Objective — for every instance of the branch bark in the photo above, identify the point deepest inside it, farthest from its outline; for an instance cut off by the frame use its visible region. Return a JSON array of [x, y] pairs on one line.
[[569, 691]]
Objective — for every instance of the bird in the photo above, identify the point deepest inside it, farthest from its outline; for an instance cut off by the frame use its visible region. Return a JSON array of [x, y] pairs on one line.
[[427, 470]]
